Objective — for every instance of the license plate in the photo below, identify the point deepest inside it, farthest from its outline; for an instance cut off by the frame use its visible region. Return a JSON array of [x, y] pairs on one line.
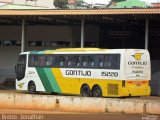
[[138, 85]]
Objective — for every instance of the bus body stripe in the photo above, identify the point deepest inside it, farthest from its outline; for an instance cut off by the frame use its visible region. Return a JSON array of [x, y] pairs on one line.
[[52, 80], [44, 79]]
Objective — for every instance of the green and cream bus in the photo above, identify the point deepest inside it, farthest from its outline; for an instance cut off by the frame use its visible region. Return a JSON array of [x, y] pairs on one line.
[[85, 71]]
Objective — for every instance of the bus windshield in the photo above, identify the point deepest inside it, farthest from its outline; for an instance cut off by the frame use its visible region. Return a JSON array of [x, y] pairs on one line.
[[20, 67]]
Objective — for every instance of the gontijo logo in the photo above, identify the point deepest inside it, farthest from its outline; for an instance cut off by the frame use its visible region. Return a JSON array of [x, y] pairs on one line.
[[20, 85], [137, 56]]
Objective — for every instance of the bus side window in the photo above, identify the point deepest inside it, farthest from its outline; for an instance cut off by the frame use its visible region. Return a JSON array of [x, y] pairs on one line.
[[53, 61], [112, 61], [31, 60], [107, 61], [115, 61], [118, 61], [42, 60], [56, 62], [100, 60], [48, 60], [91, 61], [101, 63], [84, 61], [61, 61], [69, 60], [76, 61]]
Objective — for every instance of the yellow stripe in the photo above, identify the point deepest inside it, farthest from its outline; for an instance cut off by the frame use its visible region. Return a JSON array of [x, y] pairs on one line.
[[73, 85]]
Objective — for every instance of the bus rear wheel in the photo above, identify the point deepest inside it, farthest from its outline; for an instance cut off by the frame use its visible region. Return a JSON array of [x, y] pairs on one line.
[[85, 91], [32, 88], [97, 92]]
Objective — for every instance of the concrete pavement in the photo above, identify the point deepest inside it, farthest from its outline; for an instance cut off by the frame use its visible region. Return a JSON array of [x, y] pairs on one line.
[[17, 100]]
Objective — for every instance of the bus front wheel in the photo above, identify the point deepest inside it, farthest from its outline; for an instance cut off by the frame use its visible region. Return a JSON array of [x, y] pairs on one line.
[[97, 92], [32, 87], [85, 91]]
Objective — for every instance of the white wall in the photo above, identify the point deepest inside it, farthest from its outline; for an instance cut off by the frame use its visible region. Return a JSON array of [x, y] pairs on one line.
[[19, 2], [46, 3], [43, 3], [5, 0]]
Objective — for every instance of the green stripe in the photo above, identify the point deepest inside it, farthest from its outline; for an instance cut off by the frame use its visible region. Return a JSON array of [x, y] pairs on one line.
[[48, 80], [44, 79], [52, 80]]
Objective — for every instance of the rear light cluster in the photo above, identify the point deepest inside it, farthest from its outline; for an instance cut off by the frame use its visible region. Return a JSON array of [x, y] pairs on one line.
[[133, 82], [137, 82]]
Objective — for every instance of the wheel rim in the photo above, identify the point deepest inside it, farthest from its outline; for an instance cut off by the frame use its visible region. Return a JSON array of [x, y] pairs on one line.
[[32, 88], [97, 92], [85, 91]]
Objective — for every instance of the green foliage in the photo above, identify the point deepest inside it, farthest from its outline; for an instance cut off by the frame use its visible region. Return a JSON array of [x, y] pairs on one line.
[[61, 4]]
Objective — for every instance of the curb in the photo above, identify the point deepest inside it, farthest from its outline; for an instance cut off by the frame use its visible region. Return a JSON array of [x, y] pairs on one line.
[[78, 104]]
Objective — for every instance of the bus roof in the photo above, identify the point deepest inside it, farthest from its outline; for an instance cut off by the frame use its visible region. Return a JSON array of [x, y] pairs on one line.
[[80, 50]]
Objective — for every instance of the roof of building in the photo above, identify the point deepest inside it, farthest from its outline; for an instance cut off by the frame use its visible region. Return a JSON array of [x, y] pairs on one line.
[[129, 4], [20, 12]]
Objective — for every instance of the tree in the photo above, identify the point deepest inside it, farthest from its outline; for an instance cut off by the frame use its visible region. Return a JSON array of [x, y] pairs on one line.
[[61, 3]]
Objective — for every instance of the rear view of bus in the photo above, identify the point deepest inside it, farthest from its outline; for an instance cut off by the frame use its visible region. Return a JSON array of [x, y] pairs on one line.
[[137, 75]]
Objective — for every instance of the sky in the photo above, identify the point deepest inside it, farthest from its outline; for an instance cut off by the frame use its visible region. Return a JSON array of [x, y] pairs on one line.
[[107, 1]]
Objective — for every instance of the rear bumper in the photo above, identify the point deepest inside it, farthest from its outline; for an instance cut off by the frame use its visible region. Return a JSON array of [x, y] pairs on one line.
[[135, 92]]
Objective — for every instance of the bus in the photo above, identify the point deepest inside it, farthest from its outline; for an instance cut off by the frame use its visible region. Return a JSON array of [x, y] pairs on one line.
[[85, 71]]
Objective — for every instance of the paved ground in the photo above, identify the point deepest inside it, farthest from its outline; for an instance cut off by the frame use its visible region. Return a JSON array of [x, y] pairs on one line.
[[9, 114]]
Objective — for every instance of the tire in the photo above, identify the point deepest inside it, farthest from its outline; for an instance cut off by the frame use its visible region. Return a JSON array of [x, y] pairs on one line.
[[97, 92], [85, 91], [32, 88]]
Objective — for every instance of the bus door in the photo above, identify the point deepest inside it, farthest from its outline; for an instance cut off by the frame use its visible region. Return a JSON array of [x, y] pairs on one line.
[[21, 67]]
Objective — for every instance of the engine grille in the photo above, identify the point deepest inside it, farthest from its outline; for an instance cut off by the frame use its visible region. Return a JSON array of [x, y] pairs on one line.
[[113, 89]]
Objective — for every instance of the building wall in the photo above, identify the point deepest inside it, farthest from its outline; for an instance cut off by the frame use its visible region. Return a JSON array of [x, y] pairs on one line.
[[43, 3], [155, 79], [47, 34], [46, 3], [9, 54], [6, 1], [91, 34]]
